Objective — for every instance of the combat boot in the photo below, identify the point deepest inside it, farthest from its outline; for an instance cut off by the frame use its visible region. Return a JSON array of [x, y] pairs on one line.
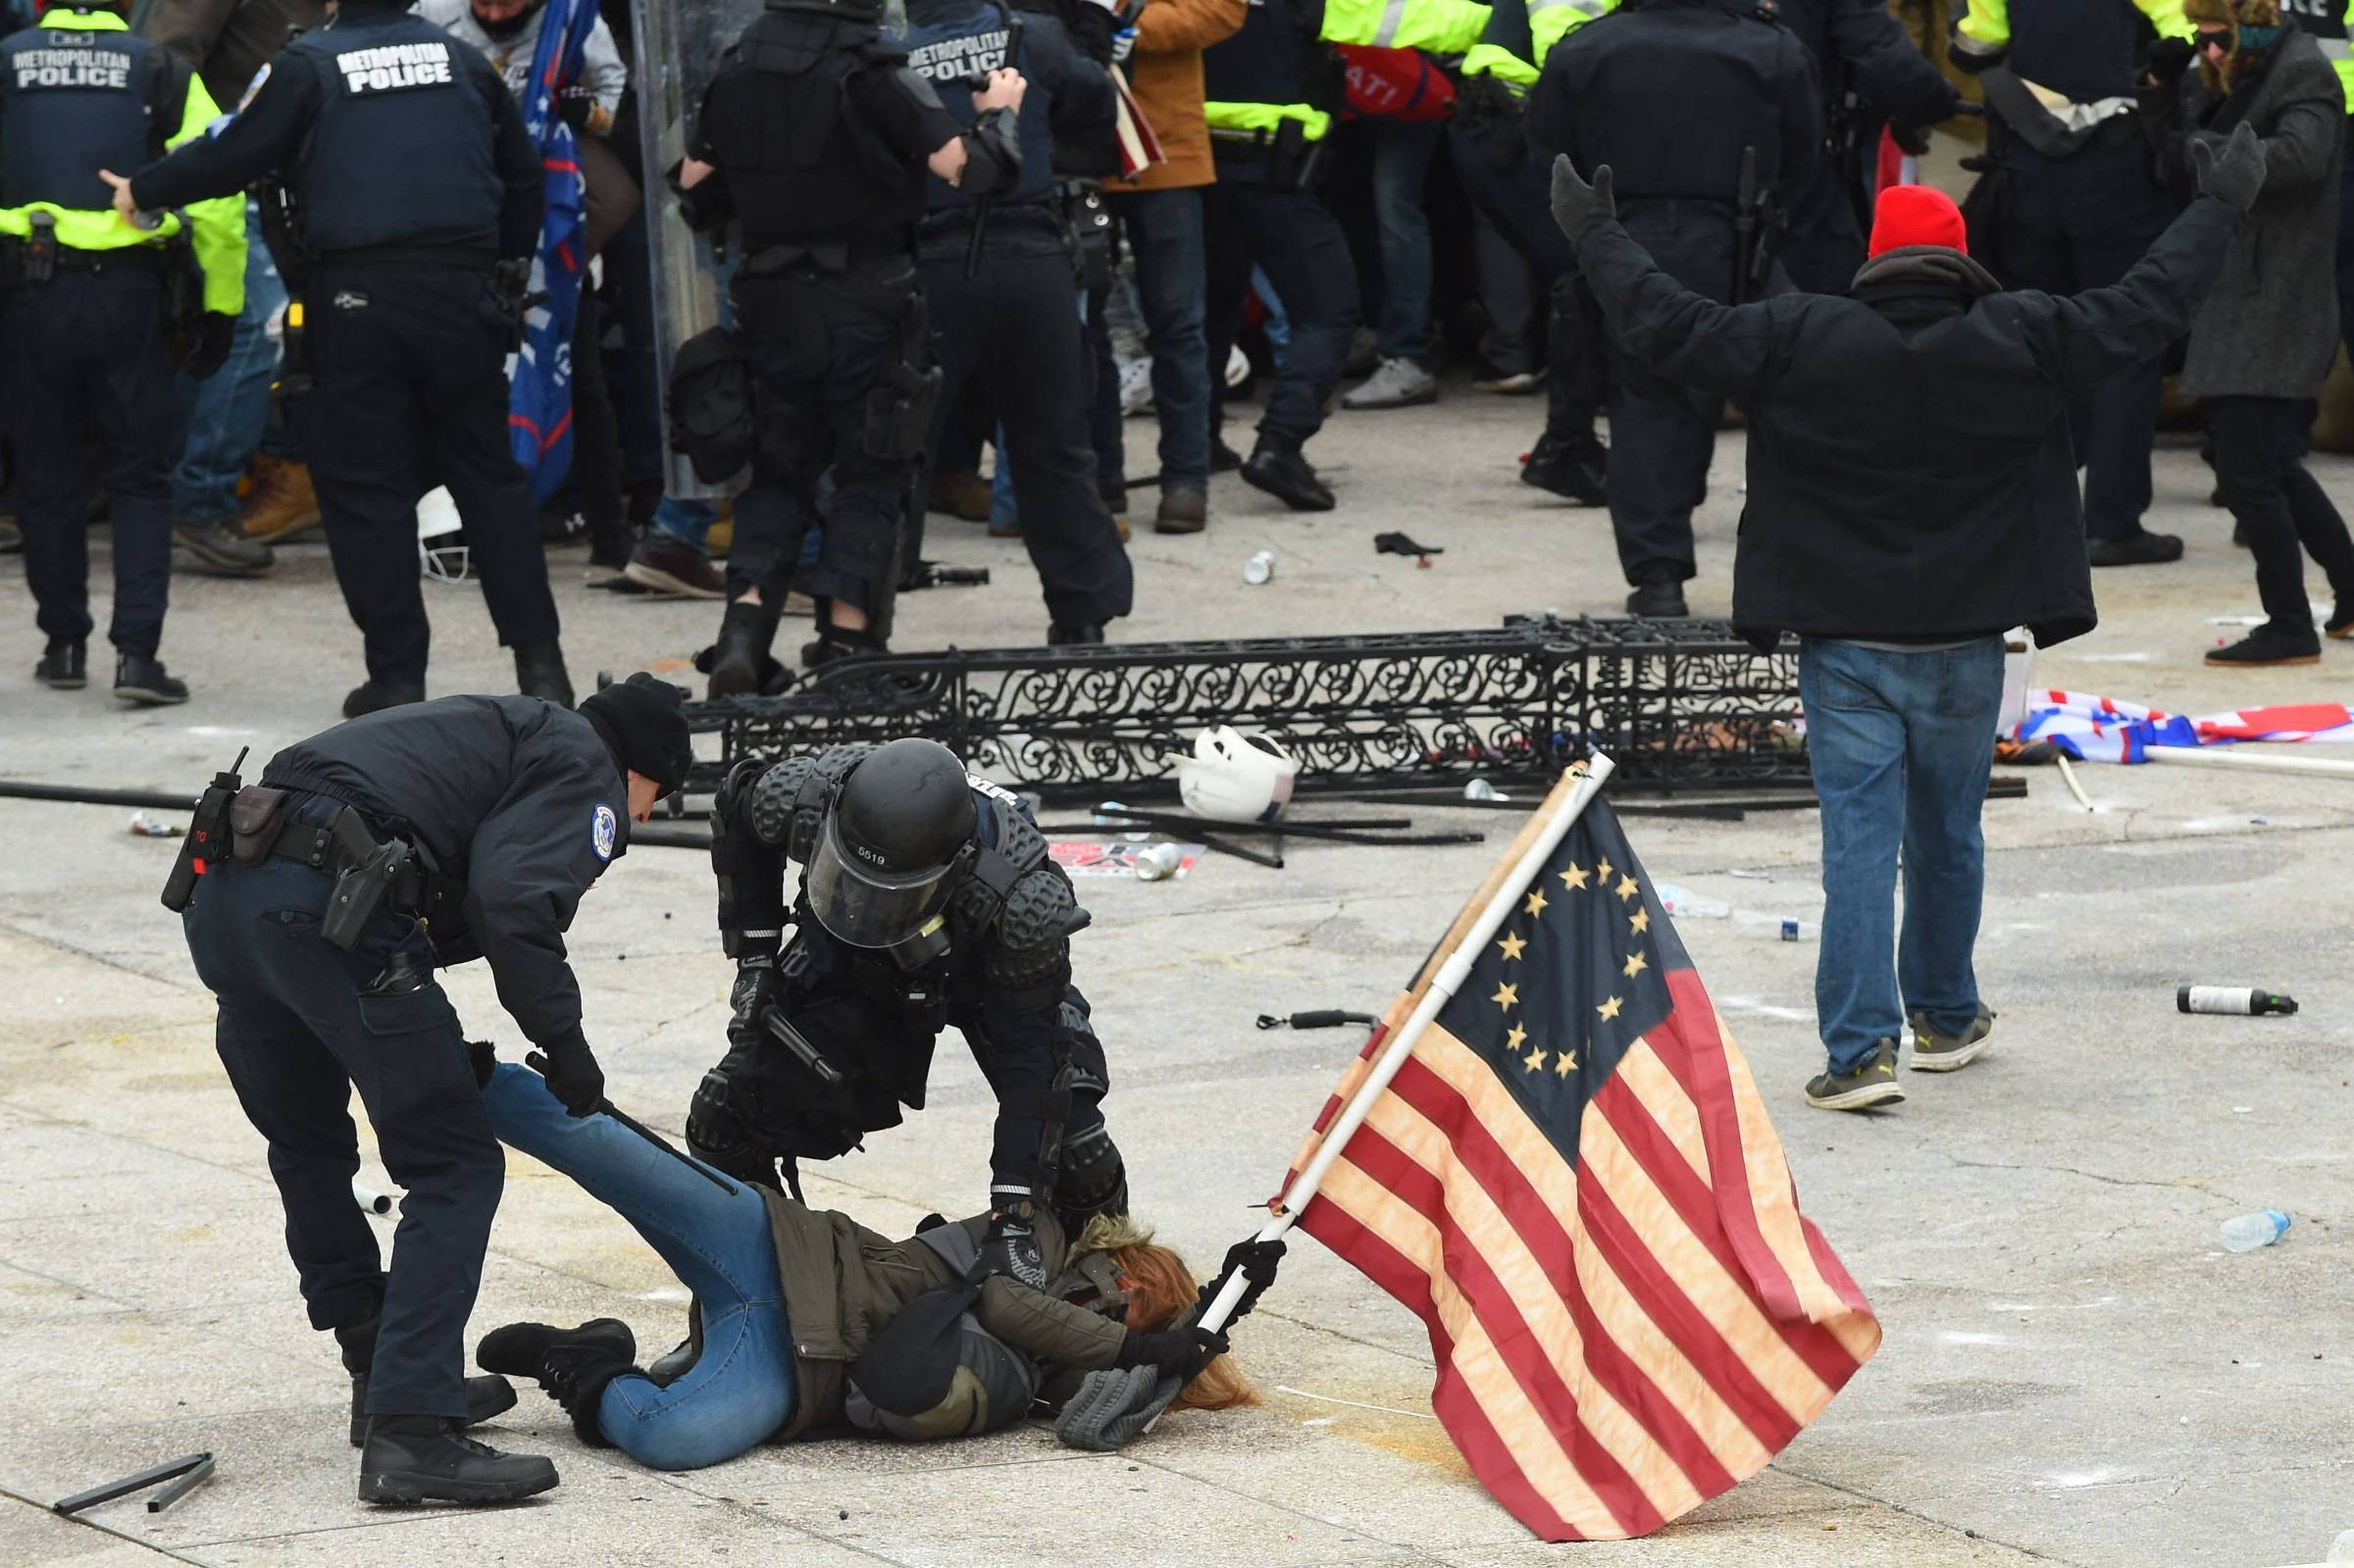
[[423, 1459], [1283, 472], [739, 661], [141, 678], [573, 1365], [1570, 468], [66, 666], [485, 1396], [834, 643], [540, 673], [282, 504]]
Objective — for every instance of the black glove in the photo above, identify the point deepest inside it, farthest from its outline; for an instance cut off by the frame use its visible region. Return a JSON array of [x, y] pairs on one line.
[[1176, 1352], [2165, 59], [214, 333], [1580, 208], [756, 989], [575, 104], [573, 1075], [2237, 175], [1256, 1261], [1010, 1247]]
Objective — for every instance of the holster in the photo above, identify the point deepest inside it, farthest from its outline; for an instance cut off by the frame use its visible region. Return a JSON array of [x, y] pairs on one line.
[[364, 885], [1087, 233], [1291, 158], [900, 405]]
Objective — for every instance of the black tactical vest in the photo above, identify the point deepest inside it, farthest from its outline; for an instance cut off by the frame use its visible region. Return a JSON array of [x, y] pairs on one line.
[[401, 151], [76, 101], [801, 165]]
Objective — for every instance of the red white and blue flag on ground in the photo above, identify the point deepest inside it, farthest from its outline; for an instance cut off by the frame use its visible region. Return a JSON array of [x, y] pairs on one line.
[[1572, 1180], [2102, 729], [539, 394]]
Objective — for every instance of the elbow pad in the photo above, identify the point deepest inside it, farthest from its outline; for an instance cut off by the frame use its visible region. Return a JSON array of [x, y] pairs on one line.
[[993, 154], [752, 892]]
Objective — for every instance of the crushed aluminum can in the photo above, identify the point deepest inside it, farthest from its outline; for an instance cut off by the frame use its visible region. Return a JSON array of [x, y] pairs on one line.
[[1259, 569], [1158, 862]]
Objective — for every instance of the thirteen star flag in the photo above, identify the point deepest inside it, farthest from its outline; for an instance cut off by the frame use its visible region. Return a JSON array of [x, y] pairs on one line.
[[1573, 1183]]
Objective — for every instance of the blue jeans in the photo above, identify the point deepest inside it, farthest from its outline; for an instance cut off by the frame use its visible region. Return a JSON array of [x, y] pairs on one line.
[[1401, 154], [1164, 233], [1901, 745], [716, 1240], [222, 419]]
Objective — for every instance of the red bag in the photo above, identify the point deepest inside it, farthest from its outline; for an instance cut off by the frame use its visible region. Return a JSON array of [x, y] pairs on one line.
[[1396, 84]]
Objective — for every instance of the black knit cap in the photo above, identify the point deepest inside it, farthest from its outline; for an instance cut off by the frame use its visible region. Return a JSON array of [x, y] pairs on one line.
[[642, 725]]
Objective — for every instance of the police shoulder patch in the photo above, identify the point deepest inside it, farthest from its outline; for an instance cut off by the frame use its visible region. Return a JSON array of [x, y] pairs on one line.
[[602, 825]]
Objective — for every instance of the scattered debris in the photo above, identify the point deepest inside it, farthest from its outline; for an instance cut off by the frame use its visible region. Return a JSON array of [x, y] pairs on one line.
[[2245, 1232], [2234, 1000], [1259, 569], [184, 1475]]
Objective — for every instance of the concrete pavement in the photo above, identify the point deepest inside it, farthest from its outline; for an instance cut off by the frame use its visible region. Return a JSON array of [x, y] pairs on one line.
[[2075, 1372]]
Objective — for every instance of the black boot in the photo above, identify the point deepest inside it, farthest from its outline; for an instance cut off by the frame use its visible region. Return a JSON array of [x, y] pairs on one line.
[[1660, 596], [1566, 466], [540, 673], [141, 678], [573, 1365], [423, 1459], [1059, 635], [834, 643], [1283, 472], [66, 666], [485, 1396], [739, 660], [374, 696]]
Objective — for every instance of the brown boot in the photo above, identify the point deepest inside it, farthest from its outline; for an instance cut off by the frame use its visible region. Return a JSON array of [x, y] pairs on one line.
[[282, 503]]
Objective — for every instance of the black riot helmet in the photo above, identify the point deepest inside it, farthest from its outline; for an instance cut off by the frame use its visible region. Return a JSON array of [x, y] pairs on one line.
[[900, 825]]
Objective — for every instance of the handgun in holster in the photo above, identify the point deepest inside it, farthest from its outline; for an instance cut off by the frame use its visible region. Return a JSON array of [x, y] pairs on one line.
[[1292, 158], [208, 836], [898, 410], [40, 248], [371, 873]]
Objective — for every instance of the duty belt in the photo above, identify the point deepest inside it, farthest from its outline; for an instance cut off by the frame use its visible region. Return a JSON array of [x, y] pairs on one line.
[[467, 257]]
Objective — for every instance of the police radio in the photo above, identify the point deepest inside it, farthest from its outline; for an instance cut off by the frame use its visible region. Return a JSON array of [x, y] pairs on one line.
[[208, 836]]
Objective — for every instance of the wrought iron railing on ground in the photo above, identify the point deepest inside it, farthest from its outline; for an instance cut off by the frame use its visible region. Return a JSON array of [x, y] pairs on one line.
[[1681, 705]]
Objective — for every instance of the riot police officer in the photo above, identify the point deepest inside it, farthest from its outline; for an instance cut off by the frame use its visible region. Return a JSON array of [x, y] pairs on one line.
[[927, 898], [83, 310], [368, 857], [1706, 110], [816, 138], [420, 198], [1005, 307]]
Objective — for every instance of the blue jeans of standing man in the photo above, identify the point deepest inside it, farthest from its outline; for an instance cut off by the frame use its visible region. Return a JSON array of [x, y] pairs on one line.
[[714, 1235], [224, 417], [1164, 234], [1401, 155], [1901, 744]]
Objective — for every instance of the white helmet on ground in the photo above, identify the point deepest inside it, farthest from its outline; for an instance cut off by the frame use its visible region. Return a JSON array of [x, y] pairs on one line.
[[1232, 777], [441, 552]]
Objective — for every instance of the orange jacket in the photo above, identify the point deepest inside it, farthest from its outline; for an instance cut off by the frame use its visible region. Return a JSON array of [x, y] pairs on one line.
[[1165, 76]]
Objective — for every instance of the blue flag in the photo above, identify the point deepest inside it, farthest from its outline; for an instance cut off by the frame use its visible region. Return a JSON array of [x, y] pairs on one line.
[[539, 394]]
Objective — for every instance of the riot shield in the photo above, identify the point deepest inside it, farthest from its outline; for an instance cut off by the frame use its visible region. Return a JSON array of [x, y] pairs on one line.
[[679, 47]]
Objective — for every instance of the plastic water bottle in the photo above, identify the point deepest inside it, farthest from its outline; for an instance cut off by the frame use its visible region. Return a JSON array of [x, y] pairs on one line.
[[2245, 1232]]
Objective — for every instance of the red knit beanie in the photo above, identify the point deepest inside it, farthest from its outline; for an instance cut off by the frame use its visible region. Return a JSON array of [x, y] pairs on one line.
[[1918, 214]]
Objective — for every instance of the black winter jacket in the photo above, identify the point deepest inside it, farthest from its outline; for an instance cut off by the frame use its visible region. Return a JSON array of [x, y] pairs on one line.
[[518, 798], [1911, 474]]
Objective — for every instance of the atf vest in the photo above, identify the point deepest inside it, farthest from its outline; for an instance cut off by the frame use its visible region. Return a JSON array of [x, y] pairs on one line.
[[77, 101], [798, 165], [955, 46], [2326, 22], [400, 153], [1278, 67]]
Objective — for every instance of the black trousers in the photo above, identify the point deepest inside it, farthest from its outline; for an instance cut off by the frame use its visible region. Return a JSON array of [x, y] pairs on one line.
[[302, 1024], [2258, 466], [1014, 328], [1513, 190], [1291, 237], [410, 391], [81, 357]]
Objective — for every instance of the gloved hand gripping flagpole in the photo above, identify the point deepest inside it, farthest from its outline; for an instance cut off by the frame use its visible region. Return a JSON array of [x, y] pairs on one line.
[[1304, 1186]]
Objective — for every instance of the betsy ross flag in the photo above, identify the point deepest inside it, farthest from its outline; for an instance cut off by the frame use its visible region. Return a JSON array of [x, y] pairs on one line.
[[1572, 1180]]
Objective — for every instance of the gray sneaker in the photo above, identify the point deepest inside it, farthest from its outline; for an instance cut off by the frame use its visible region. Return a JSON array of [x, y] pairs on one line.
[[1398, 384], [1933, 1052], [1873, 1084]]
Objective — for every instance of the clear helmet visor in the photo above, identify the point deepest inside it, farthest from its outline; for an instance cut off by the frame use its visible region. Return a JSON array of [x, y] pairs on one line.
[[862, 903]]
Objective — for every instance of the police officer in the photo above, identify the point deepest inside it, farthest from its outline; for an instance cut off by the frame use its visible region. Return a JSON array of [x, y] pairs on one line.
[[84, 313], [816, 138], [1005, 308], [2081, 203], [1271, 91], [492, 816], [926, 898], [1486, 142], [1705, 108], [420, 201]]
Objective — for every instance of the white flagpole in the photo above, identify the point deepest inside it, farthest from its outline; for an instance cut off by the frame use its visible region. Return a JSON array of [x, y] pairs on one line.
[[2250, 761], [1399, 1046]]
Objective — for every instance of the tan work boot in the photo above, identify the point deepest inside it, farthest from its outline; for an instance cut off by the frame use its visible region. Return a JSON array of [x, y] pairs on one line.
[[282, 503]]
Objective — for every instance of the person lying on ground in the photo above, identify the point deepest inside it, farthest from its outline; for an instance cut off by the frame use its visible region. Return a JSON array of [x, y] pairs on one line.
[[807, 1323]]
